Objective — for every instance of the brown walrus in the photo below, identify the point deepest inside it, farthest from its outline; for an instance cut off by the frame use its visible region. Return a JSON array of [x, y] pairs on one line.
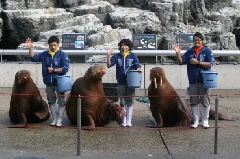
[[96, 109], [26, 104], [167, 107]]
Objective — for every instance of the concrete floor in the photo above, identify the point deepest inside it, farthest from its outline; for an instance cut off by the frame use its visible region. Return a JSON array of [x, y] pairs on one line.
[[41, 141]]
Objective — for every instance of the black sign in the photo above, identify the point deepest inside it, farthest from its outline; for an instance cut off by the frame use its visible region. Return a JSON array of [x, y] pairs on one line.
[[73, 41], [144, 42], [185, 40]]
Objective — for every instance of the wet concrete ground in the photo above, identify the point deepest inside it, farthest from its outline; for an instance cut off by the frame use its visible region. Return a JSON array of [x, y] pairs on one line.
[[42, 141]]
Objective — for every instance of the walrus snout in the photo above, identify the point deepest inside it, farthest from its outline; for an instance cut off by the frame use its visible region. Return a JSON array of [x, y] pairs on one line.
[[22, 77], [23, 80], [155, 72], [97, 70], [157, 75], [121, 116]]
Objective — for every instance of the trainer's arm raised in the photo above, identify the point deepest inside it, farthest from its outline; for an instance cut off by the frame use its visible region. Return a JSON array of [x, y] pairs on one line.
[[30, 46], [177, 49], [109, 53]]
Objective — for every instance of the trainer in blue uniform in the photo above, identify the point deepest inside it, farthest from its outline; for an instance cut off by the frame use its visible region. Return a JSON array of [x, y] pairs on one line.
[[199, 58], [55, 63], [123, 60]]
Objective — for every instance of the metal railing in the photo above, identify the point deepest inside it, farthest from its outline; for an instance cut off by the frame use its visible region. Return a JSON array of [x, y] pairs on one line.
[[104, 52]]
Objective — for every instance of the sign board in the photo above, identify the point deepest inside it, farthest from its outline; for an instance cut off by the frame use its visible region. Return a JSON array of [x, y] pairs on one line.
[[144, 42], [185, 40], [73, 41]]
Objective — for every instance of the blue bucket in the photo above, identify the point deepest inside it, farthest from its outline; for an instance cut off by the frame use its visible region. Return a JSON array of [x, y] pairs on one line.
[[209, 79], [134, 78], [64, 83]]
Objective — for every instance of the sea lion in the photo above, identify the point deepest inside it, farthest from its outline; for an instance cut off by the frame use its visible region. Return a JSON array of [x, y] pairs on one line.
[[96, 109], [167, 107], [26, 104]]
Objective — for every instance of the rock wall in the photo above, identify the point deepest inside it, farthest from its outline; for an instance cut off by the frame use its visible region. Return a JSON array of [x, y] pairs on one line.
[[106, 22]]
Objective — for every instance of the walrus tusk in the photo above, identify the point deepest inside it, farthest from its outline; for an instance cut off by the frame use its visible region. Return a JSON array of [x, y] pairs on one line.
[[161, 82], [155, 82]]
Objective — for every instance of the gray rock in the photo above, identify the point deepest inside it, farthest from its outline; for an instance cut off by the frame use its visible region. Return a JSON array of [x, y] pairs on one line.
[[29, 4], [106, 22], [80, 24], [106, 35], [136, 20], [100, 9], [20, 24]]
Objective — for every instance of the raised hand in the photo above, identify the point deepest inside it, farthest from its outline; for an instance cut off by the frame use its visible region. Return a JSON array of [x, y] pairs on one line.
[[109, 52], [177, 48], [29, 42]]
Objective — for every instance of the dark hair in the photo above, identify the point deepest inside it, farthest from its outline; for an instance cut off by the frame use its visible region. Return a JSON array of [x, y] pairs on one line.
[[126, 42], [53, 39], [199, 35]]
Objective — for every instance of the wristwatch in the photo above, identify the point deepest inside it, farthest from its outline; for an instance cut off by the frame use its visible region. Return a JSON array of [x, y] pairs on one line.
[[199, 62]]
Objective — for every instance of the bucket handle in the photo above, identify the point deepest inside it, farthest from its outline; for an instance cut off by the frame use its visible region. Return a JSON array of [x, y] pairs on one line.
[[67, 75], [211, 71], [214, 64], [130, 67]]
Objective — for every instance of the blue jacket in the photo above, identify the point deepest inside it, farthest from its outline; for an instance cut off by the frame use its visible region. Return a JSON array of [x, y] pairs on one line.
[[123, 64], [59, 60], [194, 71]]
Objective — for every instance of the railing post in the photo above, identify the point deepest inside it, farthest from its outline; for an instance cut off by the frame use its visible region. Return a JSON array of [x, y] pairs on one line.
[[144, 76], [216, 126], [79, 126]]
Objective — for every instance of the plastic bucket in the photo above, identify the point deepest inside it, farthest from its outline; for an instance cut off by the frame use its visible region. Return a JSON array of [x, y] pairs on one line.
[[64, 83], [209, 79], [134, 78]]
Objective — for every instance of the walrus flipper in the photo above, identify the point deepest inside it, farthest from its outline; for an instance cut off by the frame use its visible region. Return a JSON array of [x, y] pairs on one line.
[[158, 120], [183, 113], [22, 121], [221, 116], [43, 113], [91, 126], [185, 120]]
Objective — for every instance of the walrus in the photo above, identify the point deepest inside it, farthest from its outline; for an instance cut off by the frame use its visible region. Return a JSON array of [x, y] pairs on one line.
[[167, 107], [26, 104], [96, 109]]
